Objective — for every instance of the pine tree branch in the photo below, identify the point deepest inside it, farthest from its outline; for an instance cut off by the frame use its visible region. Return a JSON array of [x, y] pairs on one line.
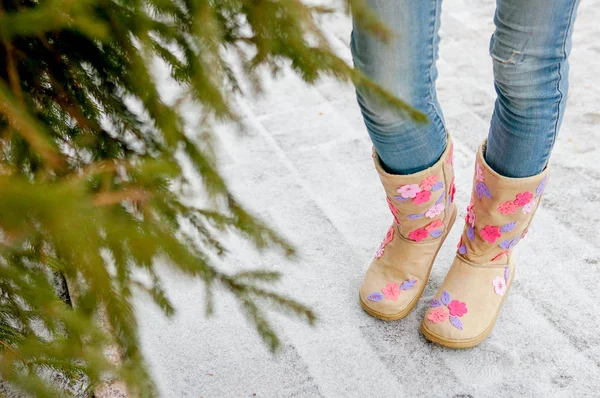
[[15, 352], [99, 173], [19, 118], [13, 74], [111, 198]]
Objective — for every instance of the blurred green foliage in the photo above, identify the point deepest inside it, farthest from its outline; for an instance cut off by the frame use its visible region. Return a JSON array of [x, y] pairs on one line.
[[92, 188]]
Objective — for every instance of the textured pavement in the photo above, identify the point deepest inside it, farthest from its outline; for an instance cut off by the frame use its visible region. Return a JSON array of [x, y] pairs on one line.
[[304, 166]]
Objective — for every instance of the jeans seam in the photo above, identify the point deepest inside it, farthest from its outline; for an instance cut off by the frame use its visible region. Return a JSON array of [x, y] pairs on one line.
[[560, 77], [438, 122]]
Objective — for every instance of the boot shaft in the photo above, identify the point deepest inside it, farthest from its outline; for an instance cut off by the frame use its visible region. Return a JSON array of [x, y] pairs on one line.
[[499, 213], [421, 202]]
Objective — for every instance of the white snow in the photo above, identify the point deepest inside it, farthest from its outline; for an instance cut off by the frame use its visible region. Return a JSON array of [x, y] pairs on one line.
[[305, 167]]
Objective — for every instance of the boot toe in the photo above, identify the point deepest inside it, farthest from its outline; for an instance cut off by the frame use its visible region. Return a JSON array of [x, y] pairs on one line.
[[387, 299], [463, 312]]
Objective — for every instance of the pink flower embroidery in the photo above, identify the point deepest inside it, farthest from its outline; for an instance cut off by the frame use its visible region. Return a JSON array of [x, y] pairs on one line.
[[391, 291], [490, 233], [428, 182], [523, 198], [457, 308], [507, 207], [528, 208], [452, 190], [393, 209], [380, 250], [470, 218], [435, 210], [389, 236], [409, 191], [450, 158], [391, 206], [422, 197], [479, 172], [437, 315], [418, 234], [437, 224], [499, 285]]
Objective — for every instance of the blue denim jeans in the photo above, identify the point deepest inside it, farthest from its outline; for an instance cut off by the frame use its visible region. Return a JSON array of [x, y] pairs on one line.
[[529, 49]]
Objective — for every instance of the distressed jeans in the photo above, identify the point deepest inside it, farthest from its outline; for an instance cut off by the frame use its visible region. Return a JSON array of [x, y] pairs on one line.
[[529, 50]]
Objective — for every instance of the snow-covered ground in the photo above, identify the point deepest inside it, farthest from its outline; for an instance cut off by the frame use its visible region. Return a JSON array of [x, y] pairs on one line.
[[305, 167]]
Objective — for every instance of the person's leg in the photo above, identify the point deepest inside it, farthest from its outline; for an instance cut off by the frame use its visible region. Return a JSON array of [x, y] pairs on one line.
[[529, 49], [406, 67], [413, 161]]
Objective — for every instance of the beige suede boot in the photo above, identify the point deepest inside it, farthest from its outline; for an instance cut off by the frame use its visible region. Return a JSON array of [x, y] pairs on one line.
[[465, 309], [424, 212]]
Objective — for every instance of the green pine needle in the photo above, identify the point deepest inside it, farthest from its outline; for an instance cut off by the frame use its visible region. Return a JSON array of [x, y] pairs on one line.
[[96, 169]]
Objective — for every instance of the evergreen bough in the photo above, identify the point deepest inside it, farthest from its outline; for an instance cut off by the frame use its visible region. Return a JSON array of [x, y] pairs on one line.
[[92, 188]]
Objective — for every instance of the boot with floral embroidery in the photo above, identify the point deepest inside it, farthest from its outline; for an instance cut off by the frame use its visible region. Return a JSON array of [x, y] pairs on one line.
[[423, 210], [464, 311]]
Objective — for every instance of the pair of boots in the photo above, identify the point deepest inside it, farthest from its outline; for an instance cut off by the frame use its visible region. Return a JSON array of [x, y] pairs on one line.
[[464, 310]]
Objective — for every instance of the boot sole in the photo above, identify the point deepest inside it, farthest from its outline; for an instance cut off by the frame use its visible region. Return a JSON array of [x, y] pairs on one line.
[[467, 343], [412, 304]]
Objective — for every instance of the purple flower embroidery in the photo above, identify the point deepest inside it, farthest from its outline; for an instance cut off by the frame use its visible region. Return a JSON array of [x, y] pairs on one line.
[[435, 303], [506, 274], [509, 244], [440, 199], [515, 241], [508, 227], [462, 249], [505, 244], [414, 216], [540, 188], [435, 233], [400, 198], [456, 322], [408, 284], [438, 185], [482, 190], [471, 233], [375, 296], [445, 297]]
